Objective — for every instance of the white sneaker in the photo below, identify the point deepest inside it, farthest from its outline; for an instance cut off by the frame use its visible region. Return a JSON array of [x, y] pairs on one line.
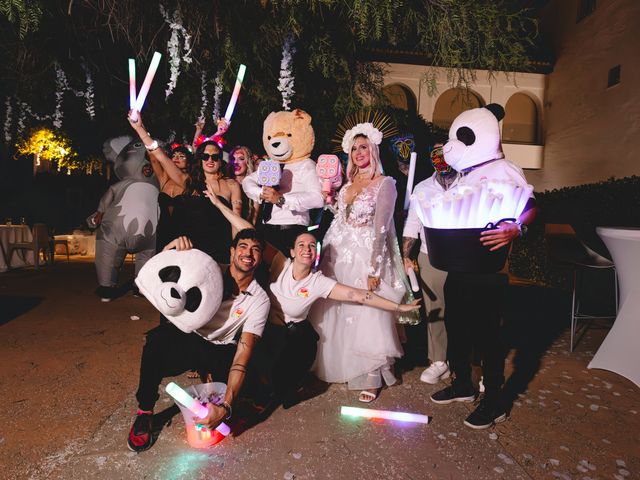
[[437, 371]]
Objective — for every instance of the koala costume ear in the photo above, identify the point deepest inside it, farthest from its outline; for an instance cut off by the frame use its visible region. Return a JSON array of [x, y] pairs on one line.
[[112, 147]]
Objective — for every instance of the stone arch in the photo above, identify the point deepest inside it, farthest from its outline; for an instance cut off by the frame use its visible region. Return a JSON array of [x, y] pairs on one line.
[[452, 103], [521, 122], [401, 96]]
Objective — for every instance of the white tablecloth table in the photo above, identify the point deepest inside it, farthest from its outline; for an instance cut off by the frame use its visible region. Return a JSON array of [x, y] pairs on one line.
[[78, 243], [20, 258], [620, 352]]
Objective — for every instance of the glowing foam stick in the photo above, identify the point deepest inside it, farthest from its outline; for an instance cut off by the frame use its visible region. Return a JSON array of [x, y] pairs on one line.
[[385, 414], [236, 92], [199, 410], [132, 83], [412, 171], [146, 85], [318, 250]]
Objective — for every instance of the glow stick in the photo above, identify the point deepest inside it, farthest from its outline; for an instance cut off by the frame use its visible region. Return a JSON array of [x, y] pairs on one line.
[[199, 410], [146, 85], [385, 414], [413, 280], [466, 207], [132, 83], [524, 198], [456, 210], [318, 250], [236, 93], [412, 171]]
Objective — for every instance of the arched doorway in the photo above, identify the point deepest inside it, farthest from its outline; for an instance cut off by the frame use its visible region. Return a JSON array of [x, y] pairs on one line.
[[520, 120], [452, 103], [400, 97]]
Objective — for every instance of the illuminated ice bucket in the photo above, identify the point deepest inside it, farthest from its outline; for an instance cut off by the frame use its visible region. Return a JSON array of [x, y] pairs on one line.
[[198, 436], [454, 220], [460, 250]]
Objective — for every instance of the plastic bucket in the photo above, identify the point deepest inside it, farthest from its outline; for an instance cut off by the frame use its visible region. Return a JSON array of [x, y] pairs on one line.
[[199, 437], [459, 250]]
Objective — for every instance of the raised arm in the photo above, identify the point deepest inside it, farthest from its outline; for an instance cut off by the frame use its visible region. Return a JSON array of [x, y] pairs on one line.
[[157, 154], [344, 293], [199, 127]]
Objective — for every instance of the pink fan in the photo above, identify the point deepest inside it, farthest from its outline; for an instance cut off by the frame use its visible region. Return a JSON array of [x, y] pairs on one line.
[[329, 169]]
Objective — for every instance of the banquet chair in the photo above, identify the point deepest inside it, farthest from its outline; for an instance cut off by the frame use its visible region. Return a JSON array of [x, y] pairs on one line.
[[565, 248], [39, 243]]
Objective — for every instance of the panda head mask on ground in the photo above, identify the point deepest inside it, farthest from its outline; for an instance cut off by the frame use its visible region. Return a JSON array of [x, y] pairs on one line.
[[474, 137], [185, 286]]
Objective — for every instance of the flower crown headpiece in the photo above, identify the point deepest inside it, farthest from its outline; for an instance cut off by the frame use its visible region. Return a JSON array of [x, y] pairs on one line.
[[373, 124]]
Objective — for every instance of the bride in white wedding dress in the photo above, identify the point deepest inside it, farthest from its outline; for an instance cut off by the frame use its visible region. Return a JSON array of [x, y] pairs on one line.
[[358, 344]]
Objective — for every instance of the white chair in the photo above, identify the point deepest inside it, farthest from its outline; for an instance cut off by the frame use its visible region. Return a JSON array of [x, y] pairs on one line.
[[39, 243]]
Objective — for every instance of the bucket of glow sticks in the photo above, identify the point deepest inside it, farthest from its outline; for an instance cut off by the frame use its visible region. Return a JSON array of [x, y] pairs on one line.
[[460, 250], [199, 437]]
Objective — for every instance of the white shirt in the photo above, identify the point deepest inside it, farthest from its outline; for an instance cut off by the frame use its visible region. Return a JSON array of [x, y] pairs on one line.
[[413, 227], [302, 192], [295, 297], [246, 313], [497, 170]]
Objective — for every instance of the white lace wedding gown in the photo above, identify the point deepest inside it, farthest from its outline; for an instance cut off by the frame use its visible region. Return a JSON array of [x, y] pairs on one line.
[[357, 343]]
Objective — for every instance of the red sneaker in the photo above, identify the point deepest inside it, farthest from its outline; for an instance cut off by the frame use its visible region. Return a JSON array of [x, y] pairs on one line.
[[140, 436]]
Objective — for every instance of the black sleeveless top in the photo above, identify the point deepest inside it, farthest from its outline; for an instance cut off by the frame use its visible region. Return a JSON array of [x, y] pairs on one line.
[[197, 218]]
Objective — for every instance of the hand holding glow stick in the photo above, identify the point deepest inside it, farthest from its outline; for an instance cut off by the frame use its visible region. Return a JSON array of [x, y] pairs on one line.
[[199, 410], [236, 92], [146, 85], [412, 171], [132, 83]]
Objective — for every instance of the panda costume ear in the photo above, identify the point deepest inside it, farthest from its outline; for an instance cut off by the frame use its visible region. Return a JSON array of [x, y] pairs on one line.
[[496, 109]]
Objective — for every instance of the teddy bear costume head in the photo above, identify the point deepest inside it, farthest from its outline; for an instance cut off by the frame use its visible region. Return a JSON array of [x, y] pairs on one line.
[[185, 286], [474, 137], [288, 137]]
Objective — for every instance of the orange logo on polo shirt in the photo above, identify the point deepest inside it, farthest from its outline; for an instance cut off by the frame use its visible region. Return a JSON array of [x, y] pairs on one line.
[[238, 313], [303, 292]]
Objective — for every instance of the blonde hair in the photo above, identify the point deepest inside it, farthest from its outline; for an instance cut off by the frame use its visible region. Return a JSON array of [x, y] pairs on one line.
[[247, 155], [374, 155]]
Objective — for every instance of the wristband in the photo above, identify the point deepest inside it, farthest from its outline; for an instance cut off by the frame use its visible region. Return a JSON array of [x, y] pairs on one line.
[[154, 146]]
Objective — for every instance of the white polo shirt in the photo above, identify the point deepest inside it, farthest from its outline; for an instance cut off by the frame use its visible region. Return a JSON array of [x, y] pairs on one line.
[[413, 227], [295, 297], [246, 312]]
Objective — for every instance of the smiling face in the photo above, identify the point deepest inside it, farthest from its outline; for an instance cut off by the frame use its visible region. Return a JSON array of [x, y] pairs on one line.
[[179, 159], [304, 250], [239, 163], [246, 256], [361, 153], [211, 159]]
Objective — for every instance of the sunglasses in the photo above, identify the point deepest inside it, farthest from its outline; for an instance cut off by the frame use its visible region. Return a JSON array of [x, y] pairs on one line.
[[213, 156]]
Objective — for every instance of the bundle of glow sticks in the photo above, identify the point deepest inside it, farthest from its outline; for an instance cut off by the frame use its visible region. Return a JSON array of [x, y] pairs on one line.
[[473, 206], [136, 102], [199, 410]]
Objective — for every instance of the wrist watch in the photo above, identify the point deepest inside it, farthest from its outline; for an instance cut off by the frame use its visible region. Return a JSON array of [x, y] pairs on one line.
[[281, 201], [523, 228]]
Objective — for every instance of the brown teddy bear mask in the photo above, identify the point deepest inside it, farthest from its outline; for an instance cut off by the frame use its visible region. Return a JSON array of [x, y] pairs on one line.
[[288, 136]]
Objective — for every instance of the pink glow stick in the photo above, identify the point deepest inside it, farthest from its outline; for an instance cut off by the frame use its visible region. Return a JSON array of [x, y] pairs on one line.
[[132, 83], [236, 92], [146, 85]]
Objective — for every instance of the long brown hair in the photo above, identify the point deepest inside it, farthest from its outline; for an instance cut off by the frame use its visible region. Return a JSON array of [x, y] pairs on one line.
[[197, 181]]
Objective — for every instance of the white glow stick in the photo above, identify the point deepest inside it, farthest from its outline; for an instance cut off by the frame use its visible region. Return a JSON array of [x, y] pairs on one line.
[[199, 410], [146, 85], [318, 251], [385, 414], [413, 280], [412, 171], [456, 210], [524, 198], [467, 196], [236, 92], [447, 210], [132, 83]]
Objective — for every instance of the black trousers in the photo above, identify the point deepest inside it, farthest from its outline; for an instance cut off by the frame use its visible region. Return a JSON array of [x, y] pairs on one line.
[[473, 320], [169, 352], [281, 236]]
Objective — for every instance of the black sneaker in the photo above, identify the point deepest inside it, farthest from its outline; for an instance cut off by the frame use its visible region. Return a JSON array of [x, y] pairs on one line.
[[486, 414], [451, 394], [140, 435]]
